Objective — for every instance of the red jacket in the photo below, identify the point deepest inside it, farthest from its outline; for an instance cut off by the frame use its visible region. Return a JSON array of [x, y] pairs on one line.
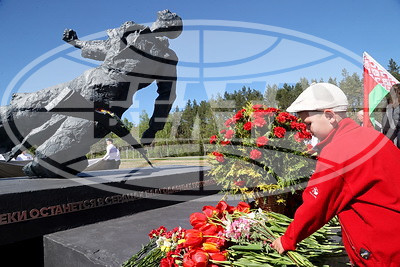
[[357, 177]]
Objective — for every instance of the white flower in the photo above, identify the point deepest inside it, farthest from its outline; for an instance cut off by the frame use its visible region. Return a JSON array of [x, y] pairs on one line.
[[251, 215]]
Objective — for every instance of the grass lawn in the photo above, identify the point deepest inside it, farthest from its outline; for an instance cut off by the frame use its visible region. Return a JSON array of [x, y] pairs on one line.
[[188, 161]]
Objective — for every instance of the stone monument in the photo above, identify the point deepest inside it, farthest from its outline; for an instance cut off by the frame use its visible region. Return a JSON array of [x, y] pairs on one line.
[[64, 120]]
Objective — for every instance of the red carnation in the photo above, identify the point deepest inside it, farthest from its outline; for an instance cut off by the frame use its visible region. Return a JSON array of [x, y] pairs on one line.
[[279, 132], [306, 134], [298, 126], [260, 113], [238, 115], [255, 154], [239, 183], [167, 262], [225, 143], [256, 107], [247, 126], [284, 117], [259, 122], [213, 139], [298, 137], [271, 111], [219, 156], [229, 134], [229, 122], [262, 141], [280, 118]]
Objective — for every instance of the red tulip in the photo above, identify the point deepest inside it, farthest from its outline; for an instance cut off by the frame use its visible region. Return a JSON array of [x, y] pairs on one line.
[[218, 240], [195, 258], [222, 206], [243, 207], [218, 256], [209, 229], [209, 211], [193, 238], [198, 220], [210, 247]]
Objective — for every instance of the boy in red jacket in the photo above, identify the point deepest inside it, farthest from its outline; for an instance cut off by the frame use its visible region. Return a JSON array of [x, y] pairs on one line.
[[357, 177]]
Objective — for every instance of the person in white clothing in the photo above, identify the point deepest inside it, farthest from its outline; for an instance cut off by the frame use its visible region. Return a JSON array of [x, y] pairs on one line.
[[24, 156], [112, 157]]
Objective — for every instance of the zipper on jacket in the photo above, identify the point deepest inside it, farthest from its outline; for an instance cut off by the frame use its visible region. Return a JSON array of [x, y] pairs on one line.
[[348, 237]]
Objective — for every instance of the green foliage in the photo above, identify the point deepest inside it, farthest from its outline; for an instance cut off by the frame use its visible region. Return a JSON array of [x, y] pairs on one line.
[[394, 69], [287, 94], [266, 227], [352, 86], [243, 96], [196, 121], [270, 96], [143, 122], [129, 125]]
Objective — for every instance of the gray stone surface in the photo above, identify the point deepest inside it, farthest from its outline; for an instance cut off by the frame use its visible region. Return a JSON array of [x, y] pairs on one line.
[[112, 242], [31, 208], [26, 184]]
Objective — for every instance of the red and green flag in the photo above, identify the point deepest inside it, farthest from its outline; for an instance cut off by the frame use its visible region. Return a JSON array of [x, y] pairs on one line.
[[377, 84]]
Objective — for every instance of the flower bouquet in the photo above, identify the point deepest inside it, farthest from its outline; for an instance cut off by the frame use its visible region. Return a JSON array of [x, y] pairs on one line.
[[261, 151], [225, 235]]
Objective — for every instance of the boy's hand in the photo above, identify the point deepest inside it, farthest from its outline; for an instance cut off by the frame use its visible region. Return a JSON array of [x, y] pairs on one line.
[[277, 244]]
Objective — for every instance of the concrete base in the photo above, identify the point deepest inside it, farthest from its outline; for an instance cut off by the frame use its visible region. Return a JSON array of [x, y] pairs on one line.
[[113, 242], [31, 208]]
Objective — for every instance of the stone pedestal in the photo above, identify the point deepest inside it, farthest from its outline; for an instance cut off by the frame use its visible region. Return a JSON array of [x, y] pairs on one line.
[[112, 242], [31, 208]]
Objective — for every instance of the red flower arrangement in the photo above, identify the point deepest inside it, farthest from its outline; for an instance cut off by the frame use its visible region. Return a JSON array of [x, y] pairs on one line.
[[203, 245], [225, 235], [261, 149]]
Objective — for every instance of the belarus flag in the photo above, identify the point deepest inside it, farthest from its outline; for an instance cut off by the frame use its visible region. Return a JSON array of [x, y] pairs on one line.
[[377, 84]]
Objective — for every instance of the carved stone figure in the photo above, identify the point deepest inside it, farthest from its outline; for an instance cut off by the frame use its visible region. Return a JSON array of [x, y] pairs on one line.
[[63, 121]]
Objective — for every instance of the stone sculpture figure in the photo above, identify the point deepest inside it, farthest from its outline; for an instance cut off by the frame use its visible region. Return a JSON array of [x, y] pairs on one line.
[[63, 121]]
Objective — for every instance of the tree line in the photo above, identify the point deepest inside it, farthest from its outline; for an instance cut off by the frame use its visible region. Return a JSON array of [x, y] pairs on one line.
[[188, 129]]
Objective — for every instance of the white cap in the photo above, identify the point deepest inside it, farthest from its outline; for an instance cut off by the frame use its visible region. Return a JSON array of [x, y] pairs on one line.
[[320, 96]]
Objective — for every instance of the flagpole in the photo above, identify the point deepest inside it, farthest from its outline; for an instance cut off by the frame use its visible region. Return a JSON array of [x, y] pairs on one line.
[[366, 118]]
